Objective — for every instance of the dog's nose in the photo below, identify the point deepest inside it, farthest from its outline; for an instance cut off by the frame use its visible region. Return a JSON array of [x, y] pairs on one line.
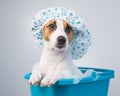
[[61, 40]]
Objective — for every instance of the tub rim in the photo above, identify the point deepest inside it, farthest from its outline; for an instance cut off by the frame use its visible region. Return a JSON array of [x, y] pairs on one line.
[[103, 75]]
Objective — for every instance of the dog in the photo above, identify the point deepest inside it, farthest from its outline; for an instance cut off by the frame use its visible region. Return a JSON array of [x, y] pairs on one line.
[[56, 62]]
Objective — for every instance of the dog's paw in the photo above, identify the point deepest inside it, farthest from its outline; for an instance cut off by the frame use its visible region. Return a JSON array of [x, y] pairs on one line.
[[48, 81], [35, 78]]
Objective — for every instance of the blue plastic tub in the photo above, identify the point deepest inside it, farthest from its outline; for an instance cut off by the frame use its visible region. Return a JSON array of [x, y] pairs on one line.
[[66, 87]]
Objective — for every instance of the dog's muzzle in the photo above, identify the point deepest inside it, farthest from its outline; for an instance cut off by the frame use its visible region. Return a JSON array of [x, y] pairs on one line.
[[61, 41]]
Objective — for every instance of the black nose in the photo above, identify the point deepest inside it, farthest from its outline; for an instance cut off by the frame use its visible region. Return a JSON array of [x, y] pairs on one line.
[[61, 40]]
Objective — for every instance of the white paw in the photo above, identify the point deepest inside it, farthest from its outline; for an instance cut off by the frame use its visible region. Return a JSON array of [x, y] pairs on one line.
[[48, 81], [35, 78]]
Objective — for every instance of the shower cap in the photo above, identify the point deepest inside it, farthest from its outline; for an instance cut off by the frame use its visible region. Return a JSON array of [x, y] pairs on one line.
[[81, 35]]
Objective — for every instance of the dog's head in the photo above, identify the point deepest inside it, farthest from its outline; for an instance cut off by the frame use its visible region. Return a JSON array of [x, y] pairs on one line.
[[58, 34]]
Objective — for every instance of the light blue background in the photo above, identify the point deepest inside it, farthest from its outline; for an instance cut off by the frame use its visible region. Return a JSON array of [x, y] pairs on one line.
[[18, 51]]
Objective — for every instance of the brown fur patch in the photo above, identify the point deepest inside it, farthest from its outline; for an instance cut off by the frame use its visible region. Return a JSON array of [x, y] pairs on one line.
[[68, 32], [48, 29]]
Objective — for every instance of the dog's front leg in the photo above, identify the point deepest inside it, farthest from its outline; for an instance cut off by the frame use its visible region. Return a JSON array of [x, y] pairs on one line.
[[50, 79], [36, 75]]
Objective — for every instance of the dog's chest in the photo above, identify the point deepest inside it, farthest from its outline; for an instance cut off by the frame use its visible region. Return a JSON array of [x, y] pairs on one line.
[[50, 60]]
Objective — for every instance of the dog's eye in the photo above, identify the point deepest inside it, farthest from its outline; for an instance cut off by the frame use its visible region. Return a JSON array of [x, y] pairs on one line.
[[52, 26], [68, 29]]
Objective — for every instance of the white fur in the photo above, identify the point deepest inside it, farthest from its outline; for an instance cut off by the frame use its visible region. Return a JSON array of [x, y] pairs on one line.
[[55, 63]]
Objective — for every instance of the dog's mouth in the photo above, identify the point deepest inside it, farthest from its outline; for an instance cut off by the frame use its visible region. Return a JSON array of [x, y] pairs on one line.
[[60, 46]]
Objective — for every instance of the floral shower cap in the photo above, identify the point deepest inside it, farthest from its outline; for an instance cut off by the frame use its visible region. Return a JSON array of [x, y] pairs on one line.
[[81, 35]]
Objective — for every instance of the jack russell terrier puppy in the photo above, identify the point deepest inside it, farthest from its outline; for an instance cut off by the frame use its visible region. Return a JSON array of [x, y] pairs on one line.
[[56, 62]]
